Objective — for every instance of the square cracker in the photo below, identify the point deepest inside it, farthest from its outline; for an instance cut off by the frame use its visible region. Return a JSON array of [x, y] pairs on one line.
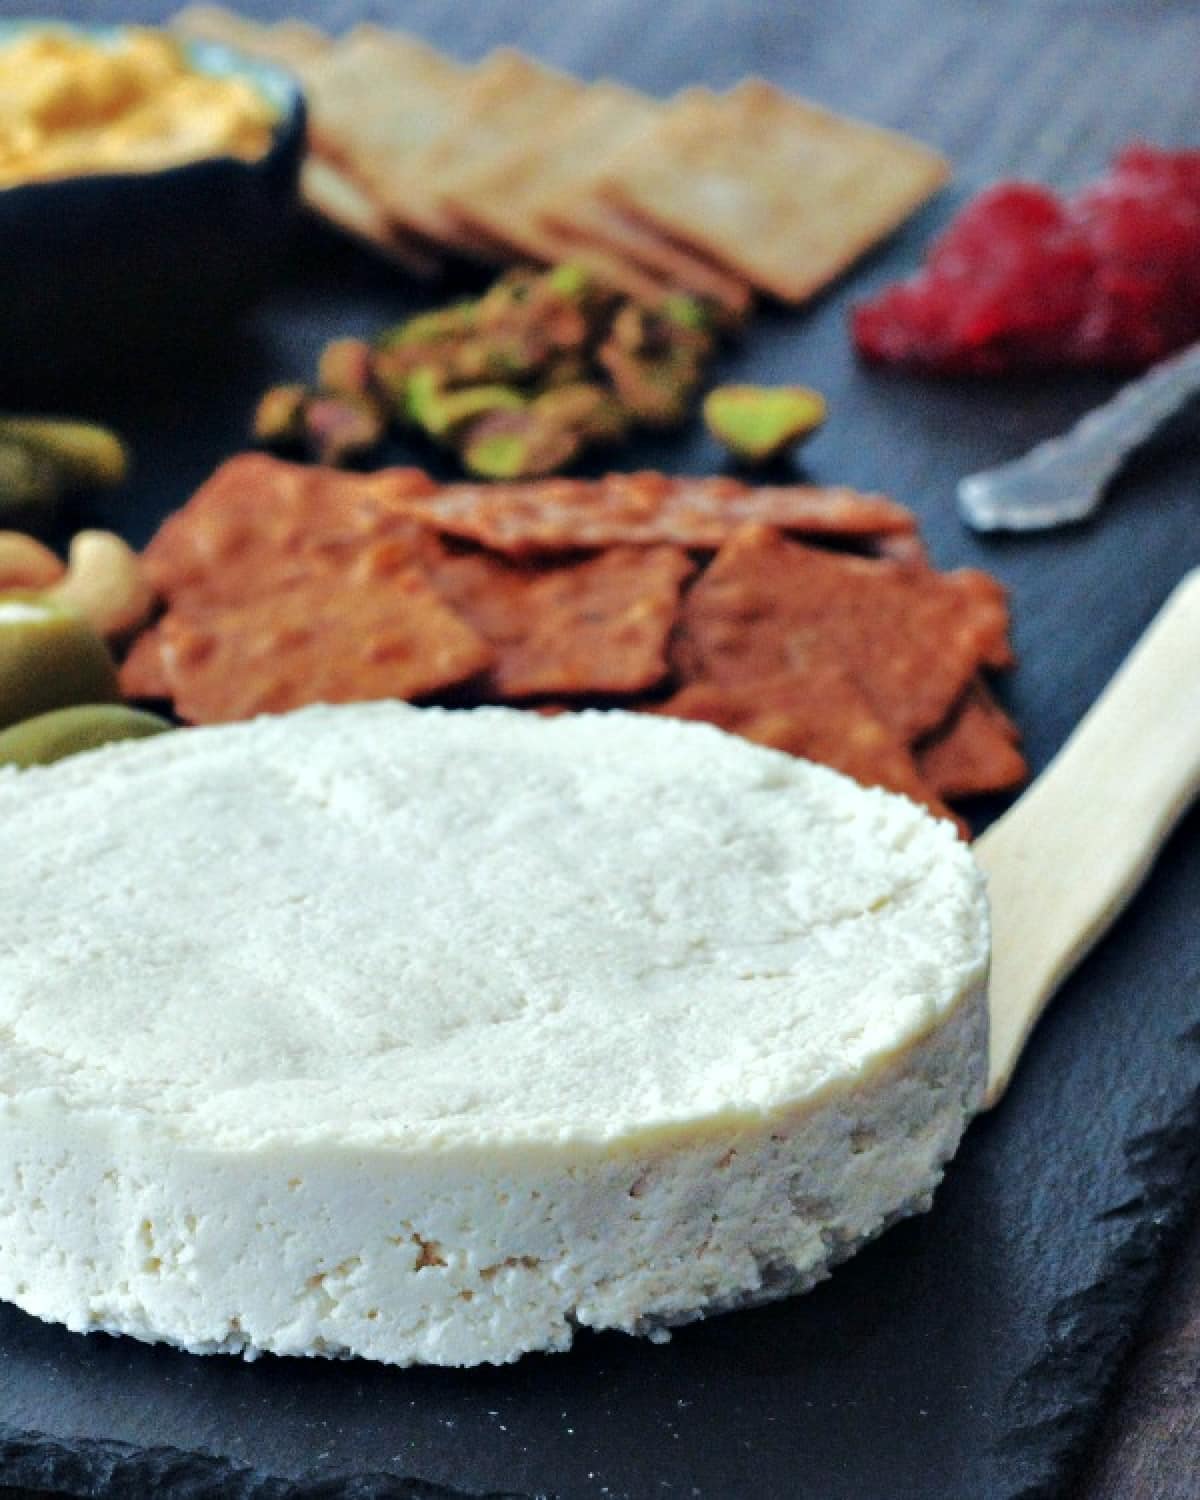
[[591, 628], [506, 107], [581, 222], [815, 710], [911, 639], [502, 198], [372, 628], [373, 97], [779, 191], [292, 44], [619, 273], [334, 195], [577, 220], [378, 102], [560, 515]]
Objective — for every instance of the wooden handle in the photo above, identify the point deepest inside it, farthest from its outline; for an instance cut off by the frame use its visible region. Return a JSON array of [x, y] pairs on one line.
[[1063, 862]]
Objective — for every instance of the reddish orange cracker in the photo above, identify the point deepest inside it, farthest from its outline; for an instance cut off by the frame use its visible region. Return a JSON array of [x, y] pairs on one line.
[[560, 515], [143, 673], [375, 630], [975, 751], [912, 639], [594, 627], [260, 518], [817, 711], [984, 603], [904, 547]]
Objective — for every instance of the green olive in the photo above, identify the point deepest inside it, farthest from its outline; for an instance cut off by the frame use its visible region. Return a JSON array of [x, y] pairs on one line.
[[49, 658], [68, 731], [31, 485], [88, 455]]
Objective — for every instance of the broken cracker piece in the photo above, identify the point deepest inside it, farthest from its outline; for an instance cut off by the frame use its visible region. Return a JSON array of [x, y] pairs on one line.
[[143, 673], [815, 710], [912, 640], [975, 752], [586, 629], [376, 629], [558, 515]]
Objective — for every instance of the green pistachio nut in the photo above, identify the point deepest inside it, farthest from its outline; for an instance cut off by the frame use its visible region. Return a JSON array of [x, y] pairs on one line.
[[587, 409], [496, 455], [507, 294], [444, 323], [629, 328], [345, 368], [279, 416], [516, 445], [570, 281], [655, 389], [31, 485], [48, 737], [49, 658], [443, 413], [566, 367], [341, 428], [422, 389], [760, 423], [687, 312]]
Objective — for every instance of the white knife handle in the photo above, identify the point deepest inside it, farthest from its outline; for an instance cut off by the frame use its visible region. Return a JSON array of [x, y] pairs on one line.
[[1063, 862]]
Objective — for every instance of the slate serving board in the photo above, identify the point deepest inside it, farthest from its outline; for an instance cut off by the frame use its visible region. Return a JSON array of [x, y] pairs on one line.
[[965, 1354]]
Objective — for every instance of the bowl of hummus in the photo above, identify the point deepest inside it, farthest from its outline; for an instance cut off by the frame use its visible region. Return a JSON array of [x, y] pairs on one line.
[[147, 187]]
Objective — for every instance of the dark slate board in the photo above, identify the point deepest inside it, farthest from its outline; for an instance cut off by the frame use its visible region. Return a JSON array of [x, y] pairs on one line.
[[965, 1354]]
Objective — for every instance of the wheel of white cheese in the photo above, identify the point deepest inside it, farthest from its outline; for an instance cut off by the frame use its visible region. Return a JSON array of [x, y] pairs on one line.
[[431, 1036]]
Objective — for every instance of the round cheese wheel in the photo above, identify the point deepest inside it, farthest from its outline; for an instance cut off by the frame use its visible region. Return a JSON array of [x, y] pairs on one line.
[[431, 1035]]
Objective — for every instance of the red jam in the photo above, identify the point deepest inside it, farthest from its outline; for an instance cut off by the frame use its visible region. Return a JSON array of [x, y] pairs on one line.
[[1108, 278]]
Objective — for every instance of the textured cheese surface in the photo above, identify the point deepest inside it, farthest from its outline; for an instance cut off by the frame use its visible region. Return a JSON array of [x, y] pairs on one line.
[[436, 929], [429, 1036]]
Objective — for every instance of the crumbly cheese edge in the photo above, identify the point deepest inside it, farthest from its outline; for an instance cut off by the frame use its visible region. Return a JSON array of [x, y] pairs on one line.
[[321, 1251]]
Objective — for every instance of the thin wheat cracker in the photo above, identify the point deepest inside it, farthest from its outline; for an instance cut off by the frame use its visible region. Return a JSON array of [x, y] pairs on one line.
[[779, 191]]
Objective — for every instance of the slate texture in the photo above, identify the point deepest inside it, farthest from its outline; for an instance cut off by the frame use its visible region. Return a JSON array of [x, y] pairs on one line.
[[967, 1353]]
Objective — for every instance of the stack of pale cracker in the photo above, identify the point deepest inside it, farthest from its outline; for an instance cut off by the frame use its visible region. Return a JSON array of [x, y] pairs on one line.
[[721, 195]]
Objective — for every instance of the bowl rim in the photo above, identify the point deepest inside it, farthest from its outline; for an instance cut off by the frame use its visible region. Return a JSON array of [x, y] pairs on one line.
[[280, 88]]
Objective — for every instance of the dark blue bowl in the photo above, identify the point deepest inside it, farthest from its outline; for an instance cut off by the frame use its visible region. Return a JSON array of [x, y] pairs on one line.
[[100, 272]]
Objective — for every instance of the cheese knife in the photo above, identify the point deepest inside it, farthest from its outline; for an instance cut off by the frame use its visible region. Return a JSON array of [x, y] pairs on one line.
[[1064, 479], [1068, 856]]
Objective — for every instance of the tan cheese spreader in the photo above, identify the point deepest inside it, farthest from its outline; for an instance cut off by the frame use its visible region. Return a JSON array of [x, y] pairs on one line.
[[1064, 861]]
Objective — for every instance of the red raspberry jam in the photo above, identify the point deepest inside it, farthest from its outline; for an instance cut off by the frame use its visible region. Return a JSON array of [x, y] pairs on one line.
[[1108, 278]]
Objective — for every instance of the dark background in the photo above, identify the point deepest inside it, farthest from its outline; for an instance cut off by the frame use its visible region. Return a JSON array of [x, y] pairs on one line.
[[966, 1354]]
